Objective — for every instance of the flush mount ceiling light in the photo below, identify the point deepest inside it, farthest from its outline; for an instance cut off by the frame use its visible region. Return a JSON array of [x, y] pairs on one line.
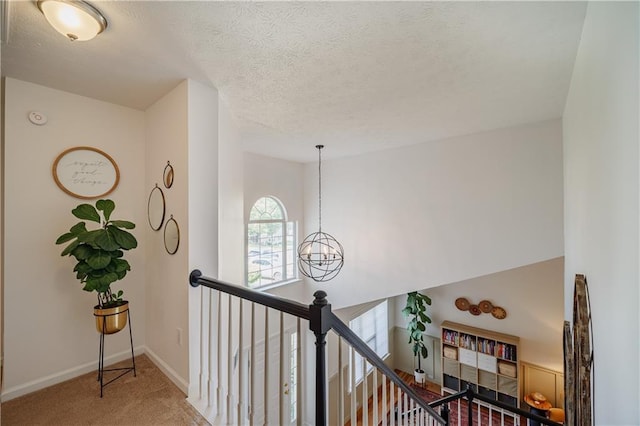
[[75, 19], [320, 256]]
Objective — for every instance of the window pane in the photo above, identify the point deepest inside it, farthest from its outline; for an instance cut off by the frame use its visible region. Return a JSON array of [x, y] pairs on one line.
[[373, 328], [271, 244], [266, 208]]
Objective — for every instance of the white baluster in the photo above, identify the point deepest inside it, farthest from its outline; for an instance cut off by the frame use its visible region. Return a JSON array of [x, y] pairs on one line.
[[299, 374], [340, 419], [252, 364], [375, 397], [392, 405], [365, 394], [280, 372], [352, 370], [384, 400], [241, 402], [229, 410], [266, 367]]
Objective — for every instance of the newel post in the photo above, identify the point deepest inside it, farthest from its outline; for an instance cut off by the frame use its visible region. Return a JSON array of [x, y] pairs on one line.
[[470, 395], [320, 324]]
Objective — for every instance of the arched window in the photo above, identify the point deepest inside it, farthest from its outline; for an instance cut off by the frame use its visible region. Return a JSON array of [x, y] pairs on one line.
[[271, 243]]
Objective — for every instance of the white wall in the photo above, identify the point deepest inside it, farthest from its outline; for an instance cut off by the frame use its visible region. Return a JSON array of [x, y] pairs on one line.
[[203, 233], [266, 176], [532, 295], [182, 128], [49, 332], [231, 198], [278, 178], [600, 132], [404, 360], [167, 140], [440, 212], [217, 250]]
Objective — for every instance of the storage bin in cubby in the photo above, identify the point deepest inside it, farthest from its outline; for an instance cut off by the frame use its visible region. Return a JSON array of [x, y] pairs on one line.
[[450, 352], [489, 393], [450, 382], [487, 379], [468, 373], [508, 386], [507, 368], [450, 367]]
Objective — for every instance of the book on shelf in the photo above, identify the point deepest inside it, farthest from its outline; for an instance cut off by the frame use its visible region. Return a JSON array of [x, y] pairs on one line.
[[506, 351], [451, 337], [468, 341], [487, 346]]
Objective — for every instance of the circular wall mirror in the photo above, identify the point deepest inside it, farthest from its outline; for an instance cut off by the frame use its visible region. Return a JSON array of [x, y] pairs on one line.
[[171, 236], [167, 175], [155, 208]]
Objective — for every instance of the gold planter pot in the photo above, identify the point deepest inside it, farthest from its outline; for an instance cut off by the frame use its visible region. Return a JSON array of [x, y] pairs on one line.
[[111, 320]]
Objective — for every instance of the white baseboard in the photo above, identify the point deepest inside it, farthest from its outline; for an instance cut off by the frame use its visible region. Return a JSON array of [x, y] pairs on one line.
[[53, 379], [168, 371], [205, 411]]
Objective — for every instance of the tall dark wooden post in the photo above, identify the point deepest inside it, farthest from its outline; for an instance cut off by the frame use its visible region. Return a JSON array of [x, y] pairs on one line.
[[444, 413], [470, 395], [320, 324]]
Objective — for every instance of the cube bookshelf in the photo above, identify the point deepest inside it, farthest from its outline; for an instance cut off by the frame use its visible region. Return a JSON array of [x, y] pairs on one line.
[[485, 360]]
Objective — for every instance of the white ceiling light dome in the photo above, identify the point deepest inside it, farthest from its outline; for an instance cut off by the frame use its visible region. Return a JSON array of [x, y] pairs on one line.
[[75, 19]]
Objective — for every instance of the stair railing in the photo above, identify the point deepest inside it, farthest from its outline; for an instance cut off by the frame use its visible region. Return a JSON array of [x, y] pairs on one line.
[[396, 394], [476, 402]]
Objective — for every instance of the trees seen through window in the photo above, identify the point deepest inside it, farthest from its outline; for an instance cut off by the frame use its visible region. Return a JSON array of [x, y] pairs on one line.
[[271, 242]]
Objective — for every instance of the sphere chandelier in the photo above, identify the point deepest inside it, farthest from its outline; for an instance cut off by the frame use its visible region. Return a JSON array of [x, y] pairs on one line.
[[320, 256]]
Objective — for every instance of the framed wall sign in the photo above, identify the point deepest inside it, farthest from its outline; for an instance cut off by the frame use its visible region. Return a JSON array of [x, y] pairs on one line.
[[85, 172]]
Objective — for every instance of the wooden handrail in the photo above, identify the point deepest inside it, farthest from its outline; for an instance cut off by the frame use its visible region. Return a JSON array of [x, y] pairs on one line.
[[269, 300]]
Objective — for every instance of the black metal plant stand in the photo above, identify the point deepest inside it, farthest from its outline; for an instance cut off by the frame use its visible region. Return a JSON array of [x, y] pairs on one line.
[[124, 370]]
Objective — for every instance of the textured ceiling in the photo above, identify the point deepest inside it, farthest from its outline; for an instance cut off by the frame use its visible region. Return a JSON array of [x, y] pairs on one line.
[[355, 76]]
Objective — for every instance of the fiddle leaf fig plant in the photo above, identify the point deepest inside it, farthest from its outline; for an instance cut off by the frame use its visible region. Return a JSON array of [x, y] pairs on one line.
[[99, 252], [416, 311]]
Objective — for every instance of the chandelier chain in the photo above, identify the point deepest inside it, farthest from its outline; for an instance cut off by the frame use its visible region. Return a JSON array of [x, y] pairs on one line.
[[319, 187]]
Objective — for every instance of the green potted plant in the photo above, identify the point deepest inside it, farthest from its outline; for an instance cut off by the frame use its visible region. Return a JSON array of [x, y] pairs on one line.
[[416, 311], [99, 254]]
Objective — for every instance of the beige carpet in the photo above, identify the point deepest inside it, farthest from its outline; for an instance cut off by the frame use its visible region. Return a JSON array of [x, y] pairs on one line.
[[148, 399]]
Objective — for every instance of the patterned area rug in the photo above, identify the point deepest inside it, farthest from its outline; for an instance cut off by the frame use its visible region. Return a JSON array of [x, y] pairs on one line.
[[480, 413]]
